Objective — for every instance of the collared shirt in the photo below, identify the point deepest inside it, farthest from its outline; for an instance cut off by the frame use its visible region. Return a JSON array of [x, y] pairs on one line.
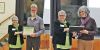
[[37, 23]]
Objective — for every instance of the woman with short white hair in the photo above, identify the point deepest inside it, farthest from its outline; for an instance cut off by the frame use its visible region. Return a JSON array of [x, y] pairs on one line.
[[61, 37], [15, 38]]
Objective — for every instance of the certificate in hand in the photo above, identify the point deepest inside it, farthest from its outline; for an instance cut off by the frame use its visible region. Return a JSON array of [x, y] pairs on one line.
[[75, 28], [28, 30]]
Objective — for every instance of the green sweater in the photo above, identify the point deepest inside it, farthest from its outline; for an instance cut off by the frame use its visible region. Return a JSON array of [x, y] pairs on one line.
[[67, 43], [66, 46], [18, 44]]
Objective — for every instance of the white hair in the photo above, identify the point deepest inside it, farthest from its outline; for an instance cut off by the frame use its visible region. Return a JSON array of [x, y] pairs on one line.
[[62, 12], [14, 18], [83, 8]]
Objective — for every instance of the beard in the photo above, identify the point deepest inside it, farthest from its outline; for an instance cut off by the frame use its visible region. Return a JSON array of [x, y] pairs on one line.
[[33, 14]]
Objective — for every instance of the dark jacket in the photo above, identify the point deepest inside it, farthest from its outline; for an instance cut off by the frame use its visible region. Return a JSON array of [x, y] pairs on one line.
[[90, 25], [13, 38], [59, 37]]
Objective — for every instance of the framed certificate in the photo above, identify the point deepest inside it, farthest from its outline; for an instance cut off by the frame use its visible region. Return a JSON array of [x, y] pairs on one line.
[[2, 7], [28, 30]]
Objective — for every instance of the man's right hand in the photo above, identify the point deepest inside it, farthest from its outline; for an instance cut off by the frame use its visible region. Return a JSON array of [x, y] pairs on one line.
[[33, 35]]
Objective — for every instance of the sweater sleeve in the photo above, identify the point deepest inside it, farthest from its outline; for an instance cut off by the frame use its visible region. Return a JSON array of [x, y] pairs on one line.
[[94, 27], [58, 30], [10, 32]]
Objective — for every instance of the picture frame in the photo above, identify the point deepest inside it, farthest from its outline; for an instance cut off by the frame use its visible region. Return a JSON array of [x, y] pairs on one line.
[[2, 7]]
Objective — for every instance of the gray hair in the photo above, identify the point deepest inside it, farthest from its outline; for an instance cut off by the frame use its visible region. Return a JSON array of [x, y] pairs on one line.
[[83, 8], [62, 12], [14, 18]]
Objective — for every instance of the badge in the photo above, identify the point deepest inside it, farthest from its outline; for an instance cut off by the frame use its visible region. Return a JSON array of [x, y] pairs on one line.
[[61, 25], [13, 29]]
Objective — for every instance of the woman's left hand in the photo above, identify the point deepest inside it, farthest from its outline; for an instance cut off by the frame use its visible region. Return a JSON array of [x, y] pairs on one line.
[[84, 31], [17, 33], [66, 29]]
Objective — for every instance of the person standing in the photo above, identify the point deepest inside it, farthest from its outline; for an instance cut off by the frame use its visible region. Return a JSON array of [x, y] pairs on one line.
[[15, 38], [86, 35], [33, 41], [61, 37]]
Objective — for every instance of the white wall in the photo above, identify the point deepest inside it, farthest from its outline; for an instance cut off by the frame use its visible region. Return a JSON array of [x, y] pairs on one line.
[[93, 3], [94, 6], [9, 8], [95, 13], [46, 13]]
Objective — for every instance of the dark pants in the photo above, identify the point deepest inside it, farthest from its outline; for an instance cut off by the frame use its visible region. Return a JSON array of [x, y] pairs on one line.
[[15, 49], [33, 43]]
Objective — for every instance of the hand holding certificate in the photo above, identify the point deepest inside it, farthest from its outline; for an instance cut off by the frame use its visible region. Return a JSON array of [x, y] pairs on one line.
[[84, 31], [17, 33], [66, 29], [28, 30], [33, 35]]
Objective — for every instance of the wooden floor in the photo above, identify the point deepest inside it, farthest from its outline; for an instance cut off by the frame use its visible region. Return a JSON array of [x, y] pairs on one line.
[[47, 45]]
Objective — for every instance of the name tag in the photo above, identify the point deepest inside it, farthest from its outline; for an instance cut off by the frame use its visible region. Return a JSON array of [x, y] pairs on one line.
[[61, 25], [13, 29]]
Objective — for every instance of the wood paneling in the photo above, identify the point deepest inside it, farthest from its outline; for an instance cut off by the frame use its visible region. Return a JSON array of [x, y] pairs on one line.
[[46, 44]]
